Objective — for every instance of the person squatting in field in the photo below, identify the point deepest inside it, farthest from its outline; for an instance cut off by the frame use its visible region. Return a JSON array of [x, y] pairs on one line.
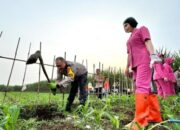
[[164, 77], [76, 74], [141, 56]]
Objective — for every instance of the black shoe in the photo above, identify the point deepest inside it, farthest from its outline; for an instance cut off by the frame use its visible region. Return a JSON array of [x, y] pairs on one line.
[[68, 108]]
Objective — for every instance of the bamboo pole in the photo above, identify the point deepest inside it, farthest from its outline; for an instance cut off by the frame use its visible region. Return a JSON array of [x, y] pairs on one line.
[[114, 78], [109, 79], [63, 77], [99, 65], [87, 80], [9, 58], [39, 78], [122, 85], [53, 68], [11, 70], [93, 78], [24, 76], [102, 67], [26, 65], [1, 34], [119, 81], [52, 77], [87, 64], [75, 58]]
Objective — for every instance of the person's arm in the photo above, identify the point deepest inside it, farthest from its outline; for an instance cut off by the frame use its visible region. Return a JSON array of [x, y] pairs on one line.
[[149, 47], [127, 66], [153, 56], [70, 77]]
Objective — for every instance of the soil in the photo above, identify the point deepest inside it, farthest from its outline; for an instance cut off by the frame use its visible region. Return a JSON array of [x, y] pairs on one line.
[[50, 112], [59, 126], [41, 112]]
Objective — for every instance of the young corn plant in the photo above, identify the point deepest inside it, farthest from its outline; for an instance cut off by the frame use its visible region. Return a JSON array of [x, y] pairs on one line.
[[9, 117], [84, 114], [90, 113]]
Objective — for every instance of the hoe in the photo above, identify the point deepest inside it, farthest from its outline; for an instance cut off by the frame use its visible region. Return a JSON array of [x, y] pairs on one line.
[[33, 58]]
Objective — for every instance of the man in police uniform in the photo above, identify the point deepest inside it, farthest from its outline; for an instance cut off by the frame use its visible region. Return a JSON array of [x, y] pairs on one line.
[[76, 74]]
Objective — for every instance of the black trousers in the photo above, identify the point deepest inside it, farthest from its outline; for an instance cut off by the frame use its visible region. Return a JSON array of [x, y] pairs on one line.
[[81, 83], [99, 92]]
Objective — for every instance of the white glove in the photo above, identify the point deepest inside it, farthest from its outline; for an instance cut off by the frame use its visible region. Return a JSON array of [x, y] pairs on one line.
[[65, 82], [154, 59]]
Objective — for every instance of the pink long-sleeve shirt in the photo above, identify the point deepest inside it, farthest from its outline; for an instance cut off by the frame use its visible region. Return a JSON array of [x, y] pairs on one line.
[[158, 71], [138, 53], [168, 71]]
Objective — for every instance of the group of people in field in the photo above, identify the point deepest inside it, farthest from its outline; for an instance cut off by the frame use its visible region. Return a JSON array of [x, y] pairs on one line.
[[164, 77], [102, 86], [142, 62]]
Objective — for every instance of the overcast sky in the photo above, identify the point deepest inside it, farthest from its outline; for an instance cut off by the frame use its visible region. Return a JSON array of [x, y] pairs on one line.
[[90, 29]]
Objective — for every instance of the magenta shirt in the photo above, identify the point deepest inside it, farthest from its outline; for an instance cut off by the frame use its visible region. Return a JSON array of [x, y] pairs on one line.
[[136, 47], [168, 71], [158, 71]]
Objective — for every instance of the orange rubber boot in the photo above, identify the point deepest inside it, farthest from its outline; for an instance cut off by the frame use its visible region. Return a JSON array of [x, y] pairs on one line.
[[142, 109], [141, 112], [154, 109]]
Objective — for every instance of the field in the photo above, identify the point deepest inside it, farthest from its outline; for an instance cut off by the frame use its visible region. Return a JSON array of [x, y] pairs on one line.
[[33, 111]]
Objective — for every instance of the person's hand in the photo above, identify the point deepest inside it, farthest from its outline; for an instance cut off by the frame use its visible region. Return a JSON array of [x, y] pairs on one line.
[[128, 73], [165, 79], [65, 82], [52, 85], [154, 59]]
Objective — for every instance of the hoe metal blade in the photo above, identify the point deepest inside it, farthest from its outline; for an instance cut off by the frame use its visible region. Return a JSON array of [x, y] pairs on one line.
[[33, 58]]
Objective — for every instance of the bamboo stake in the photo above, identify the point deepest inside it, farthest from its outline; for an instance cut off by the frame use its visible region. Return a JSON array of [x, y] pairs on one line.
[[11, 70], [24, 76], [87, 64], [122, 85], [52, 77], [114, 78], [119, 81], [53, 68], [94, 77], [102, 67], [26, 65], [1, 34], [40, 46], [109, 79], [63, 77], [75, 58]]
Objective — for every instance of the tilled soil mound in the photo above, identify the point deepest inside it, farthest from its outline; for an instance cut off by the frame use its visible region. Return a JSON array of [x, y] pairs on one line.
[[41, 112]]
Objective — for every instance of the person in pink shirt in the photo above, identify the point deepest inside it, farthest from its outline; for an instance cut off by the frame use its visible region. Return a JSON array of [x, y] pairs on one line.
[[140, 57], [164, 77], [169, 77], [158, 76]]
